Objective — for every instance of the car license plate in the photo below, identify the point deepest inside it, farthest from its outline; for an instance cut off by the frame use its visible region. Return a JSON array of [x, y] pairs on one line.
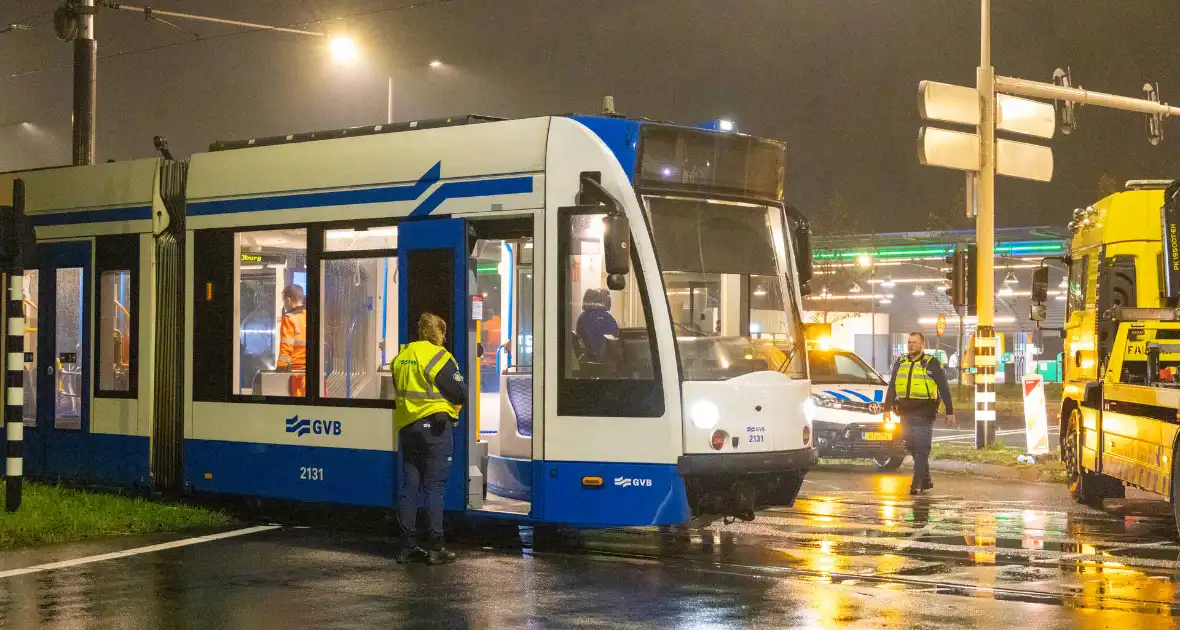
[[878, 435]]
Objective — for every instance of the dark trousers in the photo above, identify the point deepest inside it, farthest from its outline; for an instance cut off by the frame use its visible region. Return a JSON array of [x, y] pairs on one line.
[[425, 447], [919, 434]]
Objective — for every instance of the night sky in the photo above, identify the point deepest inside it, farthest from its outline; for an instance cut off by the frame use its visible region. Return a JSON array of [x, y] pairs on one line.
[[834, 79]]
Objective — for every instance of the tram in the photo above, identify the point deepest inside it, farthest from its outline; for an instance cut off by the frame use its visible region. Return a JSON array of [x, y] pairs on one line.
[[623, 297]]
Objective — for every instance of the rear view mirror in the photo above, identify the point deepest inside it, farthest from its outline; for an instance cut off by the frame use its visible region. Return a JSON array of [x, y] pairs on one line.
[[616, 242], [616, 233], [1040, 286], [802, 234]]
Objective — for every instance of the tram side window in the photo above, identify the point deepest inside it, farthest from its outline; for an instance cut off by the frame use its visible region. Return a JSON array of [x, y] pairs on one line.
[[114, 371], [606, 350], [359, 308], [270, 323], [116, 259]]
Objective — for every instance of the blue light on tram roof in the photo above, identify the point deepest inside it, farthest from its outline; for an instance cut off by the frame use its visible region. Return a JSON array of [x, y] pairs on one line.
[[721, 124]]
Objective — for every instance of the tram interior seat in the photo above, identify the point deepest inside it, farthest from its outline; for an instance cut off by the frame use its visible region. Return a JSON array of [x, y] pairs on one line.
[[516, 414]]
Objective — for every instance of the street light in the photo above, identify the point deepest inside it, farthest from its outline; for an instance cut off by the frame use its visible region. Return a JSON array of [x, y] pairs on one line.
[[343, 49]]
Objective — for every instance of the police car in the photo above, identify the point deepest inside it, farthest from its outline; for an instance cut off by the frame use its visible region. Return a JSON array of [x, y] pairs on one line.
[[850, 422]]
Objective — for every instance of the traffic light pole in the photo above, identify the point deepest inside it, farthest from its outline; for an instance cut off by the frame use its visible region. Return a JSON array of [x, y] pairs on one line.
[[985, 340], [85, 85]]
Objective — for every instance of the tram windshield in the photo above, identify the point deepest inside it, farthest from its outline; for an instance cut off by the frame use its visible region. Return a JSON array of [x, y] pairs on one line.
[[724, 266]]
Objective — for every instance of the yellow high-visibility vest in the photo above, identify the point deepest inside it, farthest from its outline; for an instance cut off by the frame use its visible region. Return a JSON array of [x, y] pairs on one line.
[[913, 381], [414, 370]]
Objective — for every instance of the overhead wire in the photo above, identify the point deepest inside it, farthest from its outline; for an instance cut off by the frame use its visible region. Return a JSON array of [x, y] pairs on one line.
[[27, 23], [137, 51]]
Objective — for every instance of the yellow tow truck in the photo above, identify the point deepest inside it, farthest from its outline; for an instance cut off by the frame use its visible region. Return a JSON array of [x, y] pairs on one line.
[[1120, 402]]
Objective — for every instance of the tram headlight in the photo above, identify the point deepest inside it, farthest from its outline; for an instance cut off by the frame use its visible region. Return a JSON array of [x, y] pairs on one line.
[[809, 409], [704, 415]]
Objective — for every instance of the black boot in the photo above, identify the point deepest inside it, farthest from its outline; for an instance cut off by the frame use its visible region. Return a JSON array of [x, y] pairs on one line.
[[927, 485], [440, 556]]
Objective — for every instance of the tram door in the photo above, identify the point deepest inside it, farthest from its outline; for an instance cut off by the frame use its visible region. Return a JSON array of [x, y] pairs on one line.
[[58, 445], [432, 270]]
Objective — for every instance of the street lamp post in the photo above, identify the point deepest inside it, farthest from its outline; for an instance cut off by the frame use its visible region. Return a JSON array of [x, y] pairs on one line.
[[345, 50]]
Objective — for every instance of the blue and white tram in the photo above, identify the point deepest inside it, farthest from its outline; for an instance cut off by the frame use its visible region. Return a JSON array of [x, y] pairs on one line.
[[623, 297]]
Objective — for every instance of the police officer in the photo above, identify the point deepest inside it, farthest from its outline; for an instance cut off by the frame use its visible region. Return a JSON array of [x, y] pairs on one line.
[[429, 393], [915, 388]]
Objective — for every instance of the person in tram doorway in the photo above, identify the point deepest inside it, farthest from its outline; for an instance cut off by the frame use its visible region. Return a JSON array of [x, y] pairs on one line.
[[915, 389], [293, 340], [429, 393]]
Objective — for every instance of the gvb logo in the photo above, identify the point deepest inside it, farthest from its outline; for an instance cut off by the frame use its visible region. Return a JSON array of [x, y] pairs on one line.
[[628, 482], [301, 427]]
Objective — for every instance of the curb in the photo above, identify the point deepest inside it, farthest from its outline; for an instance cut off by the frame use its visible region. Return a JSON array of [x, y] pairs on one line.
[[992, 471]]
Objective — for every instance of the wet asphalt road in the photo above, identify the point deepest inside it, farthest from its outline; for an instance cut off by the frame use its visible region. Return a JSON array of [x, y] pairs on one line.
[[855, 551]]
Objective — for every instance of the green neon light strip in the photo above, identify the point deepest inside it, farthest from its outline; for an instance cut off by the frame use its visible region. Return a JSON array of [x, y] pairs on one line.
[[1024, 247]]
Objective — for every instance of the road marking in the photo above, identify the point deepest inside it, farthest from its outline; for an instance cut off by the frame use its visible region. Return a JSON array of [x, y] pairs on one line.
[[963, 437], [1034, 555], [64, 564]]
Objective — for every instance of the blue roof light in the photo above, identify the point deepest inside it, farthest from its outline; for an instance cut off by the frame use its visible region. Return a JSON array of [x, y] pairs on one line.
[[721, 124]]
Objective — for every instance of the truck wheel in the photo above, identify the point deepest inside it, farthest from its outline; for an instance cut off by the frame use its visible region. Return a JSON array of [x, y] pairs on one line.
[[888, 463], [1087, 488]]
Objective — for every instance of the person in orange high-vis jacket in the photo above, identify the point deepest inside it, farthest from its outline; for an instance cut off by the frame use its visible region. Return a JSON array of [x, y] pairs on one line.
[[293, 340]]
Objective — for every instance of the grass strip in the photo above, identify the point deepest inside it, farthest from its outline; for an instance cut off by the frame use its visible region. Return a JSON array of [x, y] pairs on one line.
[[52, 514], [1000, 455]]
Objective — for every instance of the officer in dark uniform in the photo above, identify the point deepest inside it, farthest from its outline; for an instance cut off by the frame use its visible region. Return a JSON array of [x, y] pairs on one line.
[[915, 388]]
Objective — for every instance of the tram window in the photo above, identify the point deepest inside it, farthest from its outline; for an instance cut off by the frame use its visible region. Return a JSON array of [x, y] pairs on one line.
[[116, 338], [270, 323], [606, 350], [358, 327], [30, 302], [376, 238]]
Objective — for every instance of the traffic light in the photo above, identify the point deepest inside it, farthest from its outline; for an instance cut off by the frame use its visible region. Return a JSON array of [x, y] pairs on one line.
[[970, 277], [955, 278], [961, 276], [18, 244]]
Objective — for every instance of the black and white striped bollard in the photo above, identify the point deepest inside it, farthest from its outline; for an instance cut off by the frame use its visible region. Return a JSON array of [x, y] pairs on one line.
[[15, 394]]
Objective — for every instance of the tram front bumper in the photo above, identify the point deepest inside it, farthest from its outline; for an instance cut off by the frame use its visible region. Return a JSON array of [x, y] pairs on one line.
[[738, 484]]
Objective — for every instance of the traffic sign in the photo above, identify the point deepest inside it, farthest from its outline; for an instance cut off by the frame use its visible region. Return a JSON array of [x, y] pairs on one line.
[[960, 105], [960, 150], [940, 327]]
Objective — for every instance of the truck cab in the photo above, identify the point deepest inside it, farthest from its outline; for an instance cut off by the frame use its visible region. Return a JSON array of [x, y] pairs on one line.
[[1123, 281]]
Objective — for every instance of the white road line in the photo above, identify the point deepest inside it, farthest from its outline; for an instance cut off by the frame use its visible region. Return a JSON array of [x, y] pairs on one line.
[[136, 551]]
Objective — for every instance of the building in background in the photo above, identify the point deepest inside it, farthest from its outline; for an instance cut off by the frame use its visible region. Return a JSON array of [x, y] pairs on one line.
[[875, 288]]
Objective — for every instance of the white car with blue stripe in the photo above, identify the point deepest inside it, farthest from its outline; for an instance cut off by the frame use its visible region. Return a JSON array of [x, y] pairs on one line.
[[850, 421]]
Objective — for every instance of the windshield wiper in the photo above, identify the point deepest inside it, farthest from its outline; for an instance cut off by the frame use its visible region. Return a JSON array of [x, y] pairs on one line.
[[782, 369]]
